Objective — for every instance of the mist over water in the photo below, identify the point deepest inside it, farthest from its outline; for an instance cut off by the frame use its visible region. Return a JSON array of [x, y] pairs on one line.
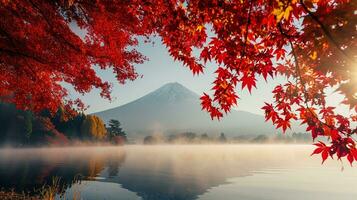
[[180, 172]]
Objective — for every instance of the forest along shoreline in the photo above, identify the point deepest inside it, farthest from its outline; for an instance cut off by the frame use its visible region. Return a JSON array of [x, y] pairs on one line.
[[26, 129], [23, 129]]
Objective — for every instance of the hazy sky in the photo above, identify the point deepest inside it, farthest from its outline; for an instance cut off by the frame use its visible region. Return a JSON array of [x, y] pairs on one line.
[[162, 69]]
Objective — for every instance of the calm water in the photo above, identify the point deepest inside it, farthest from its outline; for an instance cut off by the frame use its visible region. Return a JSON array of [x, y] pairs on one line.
[[207, 172]]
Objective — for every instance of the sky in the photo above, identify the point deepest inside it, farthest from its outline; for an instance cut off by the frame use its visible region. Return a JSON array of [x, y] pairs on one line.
[[162, 69]]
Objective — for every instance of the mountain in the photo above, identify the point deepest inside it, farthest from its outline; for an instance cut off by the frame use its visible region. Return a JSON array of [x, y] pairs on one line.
[[173, 108]]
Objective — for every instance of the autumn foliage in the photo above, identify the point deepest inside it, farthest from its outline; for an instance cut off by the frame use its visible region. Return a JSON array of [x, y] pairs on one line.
[[39, 49], [311, 42], [94, 128]]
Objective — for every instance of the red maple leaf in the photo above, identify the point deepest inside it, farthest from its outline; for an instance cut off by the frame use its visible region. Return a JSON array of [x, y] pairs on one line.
[[322, 149], [248, 81]]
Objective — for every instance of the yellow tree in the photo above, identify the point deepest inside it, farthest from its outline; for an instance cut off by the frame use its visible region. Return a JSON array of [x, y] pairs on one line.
[[94, 127]]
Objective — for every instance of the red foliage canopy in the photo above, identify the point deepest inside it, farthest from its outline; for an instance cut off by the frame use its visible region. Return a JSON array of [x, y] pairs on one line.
[[312, 42], [39, 50]]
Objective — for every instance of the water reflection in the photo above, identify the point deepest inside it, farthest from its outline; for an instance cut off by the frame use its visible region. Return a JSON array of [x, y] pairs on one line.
[[164, 172], [182, 172], [29, 169]]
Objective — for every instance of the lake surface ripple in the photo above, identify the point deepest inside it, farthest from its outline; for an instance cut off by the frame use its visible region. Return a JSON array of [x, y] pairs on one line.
[[182, 172]]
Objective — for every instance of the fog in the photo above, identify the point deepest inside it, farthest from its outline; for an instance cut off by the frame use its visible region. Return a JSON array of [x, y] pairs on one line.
[[180, 172]]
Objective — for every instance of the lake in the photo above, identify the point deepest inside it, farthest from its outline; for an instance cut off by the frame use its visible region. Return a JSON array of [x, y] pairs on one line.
[[182, 172]]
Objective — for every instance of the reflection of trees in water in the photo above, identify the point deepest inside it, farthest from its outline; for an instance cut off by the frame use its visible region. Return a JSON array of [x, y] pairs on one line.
[[152, 172], [184, 172], [28, 171], [114, 165], [95, 166]]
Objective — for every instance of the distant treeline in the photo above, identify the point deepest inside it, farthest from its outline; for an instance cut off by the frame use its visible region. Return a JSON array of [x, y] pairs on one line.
[[277, 138], [23, 128], [193, 138]]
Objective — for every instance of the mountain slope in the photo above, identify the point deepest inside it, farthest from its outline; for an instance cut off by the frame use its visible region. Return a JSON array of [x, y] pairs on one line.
[[173, 108]]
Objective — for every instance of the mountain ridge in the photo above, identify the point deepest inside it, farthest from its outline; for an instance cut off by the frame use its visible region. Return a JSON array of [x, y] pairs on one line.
[[173, 108]]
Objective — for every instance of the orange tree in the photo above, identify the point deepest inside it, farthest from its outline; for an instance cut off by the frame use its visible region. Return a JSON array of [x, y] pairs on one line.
[[312, 42]]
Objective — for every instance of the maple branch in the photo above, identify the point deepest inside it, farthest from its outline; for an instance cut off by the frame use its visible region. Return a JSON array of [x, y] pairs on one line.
[[245, 39], [298, 72], [20, 54], [54, 34], [245, 36], [284, 33], [246, 29], [325, 30], [84, 13], [297, 68]]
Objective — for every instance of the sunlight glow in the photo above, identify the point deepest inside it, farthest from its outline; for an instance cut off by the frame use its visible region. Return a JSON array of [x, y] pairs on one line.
[[355, 95]]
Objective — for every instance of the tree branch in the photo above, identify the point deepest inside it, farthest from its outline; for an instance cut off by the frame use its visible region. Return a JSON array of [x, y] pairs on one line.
[[298, 72], [325, 30]]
